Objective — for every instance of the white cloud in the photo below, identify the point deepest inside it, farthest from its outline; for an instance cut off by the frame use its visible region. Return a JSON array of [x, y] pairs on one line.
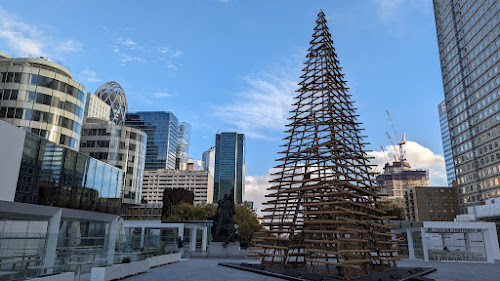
[[389, 10], [129, 50], [261, 109], [162, 95], [256, 189], [90, 76], [27, 40], [419, 157]]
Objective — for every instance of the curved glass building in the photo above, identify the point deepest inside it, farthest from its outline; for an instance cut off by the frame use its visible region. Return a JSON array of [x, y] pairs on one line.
[[41, 97], [114, 95]]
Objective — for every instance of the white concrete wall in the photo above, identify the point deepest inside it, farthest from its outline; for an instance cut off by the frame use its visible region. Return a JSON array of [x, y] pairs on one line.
[[11, 151], [488, 230]]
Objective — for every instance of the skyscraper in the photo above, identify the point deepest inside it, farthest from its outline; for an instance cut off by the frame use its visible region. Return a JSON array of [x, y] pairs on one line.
[[229, 166], [467, 33], [162, 130], [445, 136], [208, 158], [184, 138]]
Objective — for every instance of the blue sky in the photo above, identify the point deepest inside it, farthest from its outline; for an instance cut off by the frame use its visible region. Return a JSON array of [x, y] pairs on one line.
[[234, 65]]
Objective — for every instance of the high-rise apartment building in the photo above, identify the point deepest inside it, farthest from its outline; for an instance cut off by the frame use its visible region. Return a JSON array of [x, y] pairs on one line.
[[208, 160], [445, 136], [42, 98], [468, 40], [162, 130], [155, 182], [229, 176], [184, 138]]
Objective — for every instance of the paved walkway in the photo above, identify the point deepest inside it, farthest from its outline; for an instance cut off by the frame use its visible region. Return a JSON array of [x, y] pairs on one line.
[[200, 269], [207, 269], [456, 271]]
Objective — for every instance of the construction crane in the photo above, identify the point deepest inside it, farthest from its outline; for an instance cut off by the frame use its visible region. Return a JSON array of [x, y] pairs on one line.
[[396, 156], [385, 155], [401, 154]]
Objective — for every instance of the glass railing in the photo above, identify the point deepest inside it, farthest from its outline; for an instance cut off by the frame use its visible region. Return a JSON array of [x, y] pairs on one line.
[[25, 256]]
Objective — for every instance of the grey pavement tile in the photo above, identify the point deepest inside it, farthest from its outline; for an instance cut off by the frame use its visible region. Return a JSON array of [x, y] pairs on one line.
[[208, 269]]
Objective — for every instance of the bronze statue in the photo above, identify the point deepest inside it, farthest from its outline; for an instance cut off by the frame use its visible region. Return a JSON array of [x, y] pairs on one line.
[[223, 229]]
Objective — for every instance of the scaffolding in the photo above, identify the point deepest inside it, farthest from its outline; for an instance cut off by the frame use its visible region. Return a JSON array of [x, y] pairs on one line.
[[322, 210]]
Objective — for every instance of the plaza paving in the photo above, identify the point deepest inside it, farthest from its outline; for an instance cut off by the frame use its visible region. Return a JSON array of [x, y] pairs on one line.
[[207, 269]]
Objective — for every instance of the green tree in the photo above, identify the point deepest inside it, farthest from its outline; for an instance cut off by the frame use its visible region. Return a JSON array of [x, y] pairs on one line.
[[245, 218], [248, 224]]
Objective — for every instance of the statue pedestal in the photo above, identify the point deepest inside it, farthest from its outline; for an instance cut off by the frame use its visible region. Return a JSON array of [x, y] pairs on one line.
[[232, 249]]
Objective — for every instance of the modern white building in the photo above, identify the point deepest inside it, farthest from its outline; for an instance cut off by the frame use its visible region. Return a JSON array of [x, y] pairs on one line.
[[454, 241], [97, 108], [155, 233], [155, 182], [208, 160], [490, 211]]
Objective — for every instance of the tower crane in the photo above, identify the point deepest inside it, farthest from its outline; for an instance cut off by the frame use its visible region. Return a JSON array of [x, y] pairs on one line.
[[401, 154], [385, 155], [396, 156]]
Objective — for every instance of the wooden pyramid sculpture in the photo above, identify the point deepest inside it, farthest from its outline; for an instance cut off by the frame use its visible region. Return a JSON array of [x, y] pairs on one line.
[[323, 211]]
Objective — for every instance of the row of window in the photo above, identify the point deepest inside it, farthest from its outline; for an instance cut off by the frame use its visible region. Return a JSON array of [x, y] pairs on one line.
[[54, 101], [8, 94], [65, 140], [106, 144], [42, 81], [40, 116], [117, 132]]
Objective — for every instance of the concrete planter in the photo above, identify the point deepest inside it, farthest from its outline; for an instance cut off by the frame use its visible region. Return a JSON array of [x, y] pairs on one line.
[[66, 276], [164, 259], [118, 271]]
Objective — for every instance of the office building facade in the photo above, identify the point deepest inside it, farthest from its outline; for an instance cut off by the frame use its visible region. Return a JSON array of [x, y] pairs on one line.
[[97, 108], [184, 138], [431, 203], [162, 131], [468, 41], [42, 98], [229, 175], [155, 182], [208, 159], [445, 136], [37, 171], [121, 146]]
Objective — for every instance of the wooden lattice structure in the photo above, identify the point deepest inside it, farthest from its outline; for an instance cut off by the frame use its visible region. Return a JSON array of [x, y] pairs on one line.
[[323, 211]]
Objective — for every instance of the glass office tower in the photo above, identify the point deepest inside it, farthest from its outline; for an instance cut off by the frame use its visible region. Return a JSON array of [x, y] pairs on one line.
[[445, 136], [162, 130], [229, 166], [468, 40], [208, 158], [184, 138]]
